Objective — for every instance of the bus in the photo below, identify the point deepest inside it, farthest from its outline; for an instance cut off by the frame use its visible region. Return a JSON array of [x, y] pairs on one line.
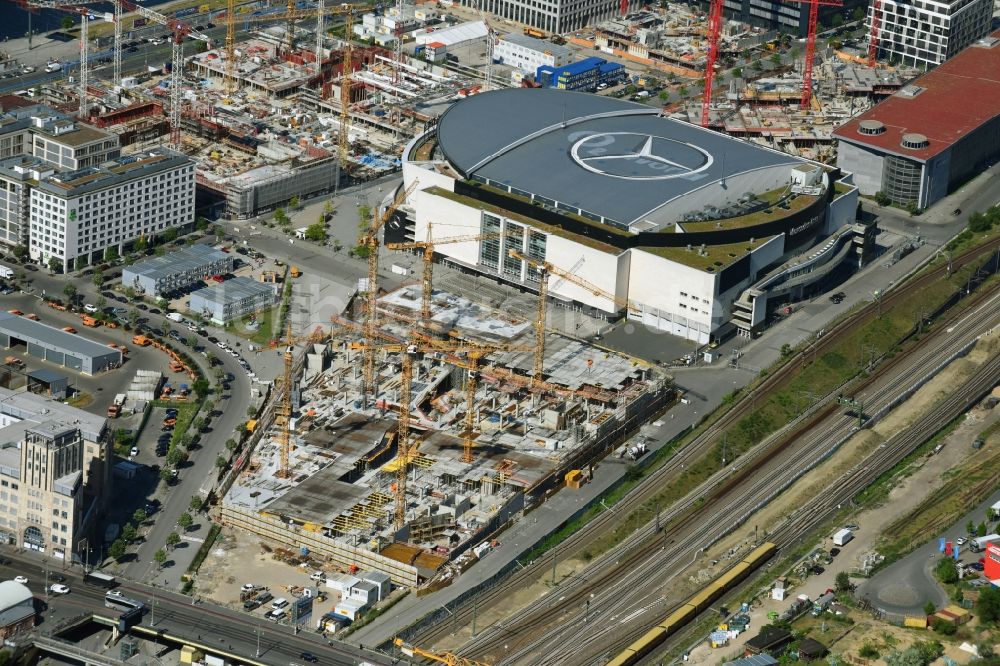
[[100, 579], [119, 601]]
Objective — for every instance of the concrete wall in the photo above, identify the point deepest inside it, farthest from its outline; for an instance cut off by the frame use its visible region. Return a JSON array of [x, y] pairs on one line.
[[865, 164]]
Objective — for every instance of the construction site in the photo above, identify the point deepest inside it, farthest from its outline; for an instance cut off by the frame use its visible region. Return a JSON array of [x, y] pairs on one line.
[[419, 432]]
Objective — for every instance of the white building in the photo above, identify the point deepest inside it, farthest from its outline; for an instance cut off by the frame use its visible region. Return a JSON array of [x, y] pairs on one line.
[[54, 474], [555, 16], [528, 54], [82, 213], [925, 33]]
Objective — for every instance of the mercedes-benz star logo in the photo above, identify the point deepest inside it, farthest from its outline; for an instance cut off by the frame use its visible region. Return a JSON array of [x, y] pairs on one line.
[[635, 156]]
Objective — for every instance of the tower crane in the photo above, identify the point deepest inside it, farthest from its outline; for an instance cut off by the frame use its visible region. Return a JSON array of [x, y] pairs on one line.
[[283, 415], [371, 243], [491, 42], [447, 658], [714, 29], [807, 65], [544, 268], [427, 246], [346, 83], [873, 36]]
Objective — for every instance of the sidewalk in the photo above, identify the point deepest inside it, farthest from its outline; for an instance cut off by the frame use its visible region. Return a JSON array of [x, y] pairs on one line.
[[42, 49]]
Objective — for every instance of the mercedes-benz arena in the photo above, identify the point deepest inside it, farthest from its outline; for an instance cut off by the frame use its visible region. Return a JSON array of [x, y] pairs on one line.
[[670, 221]]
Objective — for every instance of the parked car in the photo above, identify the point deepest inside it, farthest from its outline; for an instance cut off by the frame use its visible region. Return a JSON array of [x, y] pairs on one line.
[[23, 580], [838, 297], [90, 308], [309, 656]]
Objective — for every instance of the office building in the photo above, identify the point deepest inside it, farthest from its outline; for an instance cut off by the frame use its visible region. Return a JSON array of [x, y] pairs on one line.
[[79, 214], [585, 75], [554, 16], [233, 299], [933, 134], [528, 54], [55, 473]]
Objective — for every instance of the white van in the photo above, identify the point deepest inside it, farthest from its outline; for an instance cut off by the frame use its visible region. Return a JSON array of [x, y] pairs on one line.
[[275, 615], [279, 603]]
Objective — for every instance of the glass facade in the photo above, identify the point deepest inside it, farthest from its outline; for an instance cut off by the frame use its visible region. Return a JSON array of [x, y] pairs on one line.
[[513, 239], [901, 180], [489, 249]]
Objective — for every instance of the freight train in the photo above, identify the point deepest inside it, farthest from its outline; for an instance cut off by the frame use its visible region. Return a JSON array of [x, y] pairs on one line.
[[693, 606]]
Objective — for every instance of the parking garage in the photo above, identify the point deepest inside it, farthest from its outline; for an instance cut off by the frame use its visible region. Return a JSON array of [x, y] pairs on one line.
[[22, 335]]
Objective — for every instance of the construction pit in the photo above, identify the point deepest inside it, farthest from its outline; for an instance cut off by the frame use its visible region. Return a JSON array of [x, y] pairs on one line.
[[339, 501]]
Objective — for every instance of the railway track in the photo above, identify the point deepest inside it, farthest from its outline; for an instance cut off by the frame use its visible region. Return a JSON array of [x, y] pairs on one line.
[[607, 521], [730, 493]]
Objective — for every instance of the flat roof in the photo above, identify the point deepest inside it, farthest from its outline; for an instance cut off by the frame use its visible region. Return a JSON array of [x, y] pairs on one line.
[[234, 290], [537, 44], [942, 106], [121, 170], [182, 260], [69, 343], [611, 158], [31, 408]]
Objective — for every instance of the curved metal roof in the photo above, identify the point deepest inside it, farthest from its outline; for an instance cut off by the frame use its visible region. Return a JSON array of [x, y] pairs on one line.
[[13, 593], [611, 158]]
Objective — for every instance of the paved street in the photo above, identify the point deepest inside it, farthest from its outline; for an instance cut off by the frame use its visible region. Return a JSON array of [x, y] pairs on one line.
[[218, 630]]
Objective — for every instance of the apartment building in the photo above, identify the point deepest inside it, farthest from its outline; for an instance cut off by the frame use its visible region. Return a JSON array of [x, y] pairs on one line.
[[79, 214], [55, 474], [925, 33]]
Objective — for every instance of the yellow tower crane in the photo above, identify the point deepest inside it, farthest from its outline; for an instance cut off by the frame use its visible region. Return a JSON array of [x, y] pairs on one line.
[[283, 415], [346, 80], [371, 244], [427, 246], [544, 269], [447, 658]]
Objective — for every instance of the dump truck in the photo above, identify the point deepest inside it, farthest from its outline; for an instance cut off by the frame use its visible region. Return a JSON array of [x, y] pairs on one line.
[[141, 340], [89, 321]]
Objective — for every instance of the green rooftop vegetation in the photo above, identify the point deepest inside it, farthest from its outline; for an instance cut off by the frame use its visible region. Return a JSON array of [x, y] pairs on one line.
[[795, 203], [715, 258]]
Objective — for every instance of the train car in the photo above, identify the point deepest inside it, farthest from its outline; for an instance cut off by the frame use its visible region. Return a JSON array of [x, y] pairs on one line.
[[693, 606]]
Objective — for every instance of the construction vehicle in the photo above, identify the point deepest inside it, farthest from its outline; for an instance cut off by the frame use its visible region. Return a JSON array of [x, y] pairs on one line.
[[114, 411], [55, 305], [294, 272], [69, 329], [176, 366], [14, 362], [89, 321], [141, 340], [32, 316], [446, 658]]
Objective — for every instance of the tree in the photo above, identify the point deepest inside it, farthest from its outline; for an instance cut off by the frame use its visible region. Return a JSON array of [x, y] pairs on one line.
[[217, 230], [192, 341], [738, 72], [55, 264], [79, 263], [211, 358], [173, 539], [868, 651], [169, 235], [858, 14], [316, 232], [929, 608], [757, 64], [98, 278], [943, 627], [160, 557], [198, 424], [220, 462], [988, 605], [117, 549], [128, 533], [166, 474], [200, 223], [175, 456], [664, 95], [185, 520], [200, 387], [21, 252], [231, 444], [70, 291], [682, 91], [837, 20], [66, 23], [281, 217], [843, 582], [110, 253], [775, 59], [293, 203], [140, 243], [196, 503], [139, 516], [981, 530], [786, 350], [946, 571]]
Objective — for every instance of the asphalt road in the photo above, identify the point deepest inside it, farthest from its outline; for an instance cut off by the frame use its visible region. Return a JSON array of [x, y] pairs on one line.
[[175, 614]]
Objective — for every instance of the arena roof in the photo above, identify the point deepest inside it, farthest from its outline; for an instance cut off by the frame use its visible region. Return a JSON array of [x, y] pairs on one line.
[[611, 158], [942, 106]]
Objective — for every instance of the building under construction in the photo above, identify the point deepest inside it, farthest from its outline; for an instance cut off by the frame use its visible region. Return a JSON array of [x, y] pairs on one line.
[[340, 497]]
